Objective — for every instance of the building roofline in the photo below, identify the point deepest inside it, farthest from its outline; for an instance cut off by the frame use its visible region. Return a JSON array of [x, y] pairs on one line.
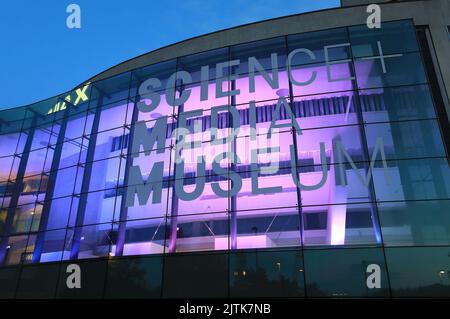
[[175, 44]]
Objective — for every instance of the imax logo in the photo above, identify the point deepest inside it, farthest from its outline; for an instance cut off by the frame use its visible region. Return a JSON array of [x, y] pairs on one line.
[[80, 97]]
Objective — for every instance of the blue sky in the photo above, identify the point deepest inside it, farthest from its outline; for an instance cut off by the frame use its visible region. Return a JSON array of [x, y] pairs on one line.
[[40, 57]]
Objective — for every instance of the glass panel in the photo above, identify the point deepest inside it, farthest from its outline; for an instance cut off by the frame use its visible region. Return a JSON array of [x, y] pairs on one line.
[[104, 142], [348, 137], [206, 202], [134, 278], [113, 116], [364, 40], [144, 237], [36, 161], [27, 256], [5, 167], [95, 241], [199, 232], [161, 71], [267, 228], [14, 117], [276, 137], [9, 144], [193, 63], [419, 272], [406, 69], [61, 210], [316, 42], [263, 91], [27, 198], [335, 225], [53, 245], [44, 136], [73, 152], [195, 101], [22, 140], [196, 276], [262, 51], [110, 90], [92, 281], [410, 139], [267, 274], [147, 162], [107, 173], [47, 164], [14, 168], [318, 78], [346, 274], [149, 210], [100, 207], [325, 110], [197, 128], [16, 247], [26, 218], [164, 109], [38, 282], [414, 223], [412, 179], [397, 104], [68, 181], [3, 214], [9, 277], [279, 189]]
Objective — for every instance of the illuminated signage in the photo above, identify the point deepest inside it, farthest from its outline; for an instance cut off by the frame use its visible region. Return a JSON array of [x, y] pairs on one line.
[[67, 101], [185, 137]]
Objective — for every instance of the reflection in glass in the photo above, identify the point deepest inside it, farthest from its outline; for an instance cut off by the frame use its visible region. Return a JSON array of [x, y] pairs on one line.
[[342, 272], [266, 274]]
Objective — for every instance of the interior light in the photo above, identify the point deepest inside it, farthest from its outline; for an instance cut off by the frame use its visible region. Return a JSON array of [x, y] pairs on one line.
[[283, 92]]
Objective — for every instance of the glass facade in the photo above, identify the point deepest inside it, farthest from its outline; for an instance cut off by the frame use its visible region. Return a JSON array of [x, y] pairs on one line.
[[322, 154]]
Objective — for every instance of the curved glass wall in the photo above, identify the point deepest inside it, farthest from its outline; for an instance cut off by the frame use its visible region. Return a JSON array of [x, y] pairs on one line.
[[323, 144]]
